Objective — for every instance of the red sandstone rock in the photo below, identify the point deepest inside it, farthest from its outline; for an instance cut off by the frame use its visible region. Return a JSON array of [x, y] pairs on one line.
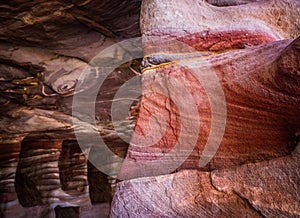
[[46, 44], [206, 27], [262, 102]]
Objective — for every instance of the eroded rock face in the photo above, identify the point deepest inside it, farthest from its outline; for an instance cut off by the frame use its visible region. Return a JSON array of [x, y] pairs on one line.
[[249, 46], [9, 160], [50, 173], [37, 176], [264, 189], [261, 119], [65, 24], [184, 194], [45, 46], [73, 167], [259, 74], [271, 187], [209, 28]]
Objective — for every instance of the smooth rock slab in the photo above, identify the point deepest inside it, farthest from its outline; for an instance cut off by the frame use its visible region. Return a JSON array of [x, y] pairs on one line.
[[265, 189], [272, 187], [184, 194]]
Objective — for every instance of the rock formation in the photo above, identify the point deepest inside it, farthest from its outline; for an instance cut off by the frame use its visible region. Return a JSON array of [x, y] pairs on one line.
[[215, 131], [256, 62], [262, 106], [45, 45], [263, 189]]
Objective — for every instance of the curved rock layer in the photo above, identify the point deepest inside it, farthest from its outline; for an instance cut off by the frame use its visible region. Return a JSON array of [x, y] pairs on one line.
[[72, 166], [10, 150], [208, 28], [38, 170], [73, 28], [261, 89], [32, 107], [264, 189], [64, 23], [45, 46], [251, 48], [52, 178]]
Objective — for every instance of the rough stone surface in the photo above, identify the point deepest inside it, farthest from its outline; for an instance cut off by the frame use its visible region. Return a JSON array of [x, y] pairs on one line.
[[66, 23], [183, 194], [47, 174], [45, 46], [271, 187], [264, 189], [72, 166], [206, 27], [262, 116]]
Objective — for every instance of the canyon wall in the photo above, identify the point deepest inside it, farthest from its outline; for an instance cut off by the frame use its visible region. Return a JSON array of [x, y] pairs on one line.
[[213, 128]]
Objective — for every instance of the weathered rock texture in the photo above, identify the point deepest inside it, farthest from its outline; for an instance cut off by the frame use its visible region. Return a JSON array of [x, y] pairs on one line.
[[264, 189], [69, 26], [261, 88], [253, 50], [250, 45], [73, 168], [37, 176], [206, 27], [45, 46]]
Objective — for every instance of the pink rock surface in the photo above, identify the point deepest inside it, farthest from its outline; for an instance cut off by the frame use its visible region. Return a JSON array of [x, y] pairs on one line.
[[262, 116], [207, 27], [264, 189]]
